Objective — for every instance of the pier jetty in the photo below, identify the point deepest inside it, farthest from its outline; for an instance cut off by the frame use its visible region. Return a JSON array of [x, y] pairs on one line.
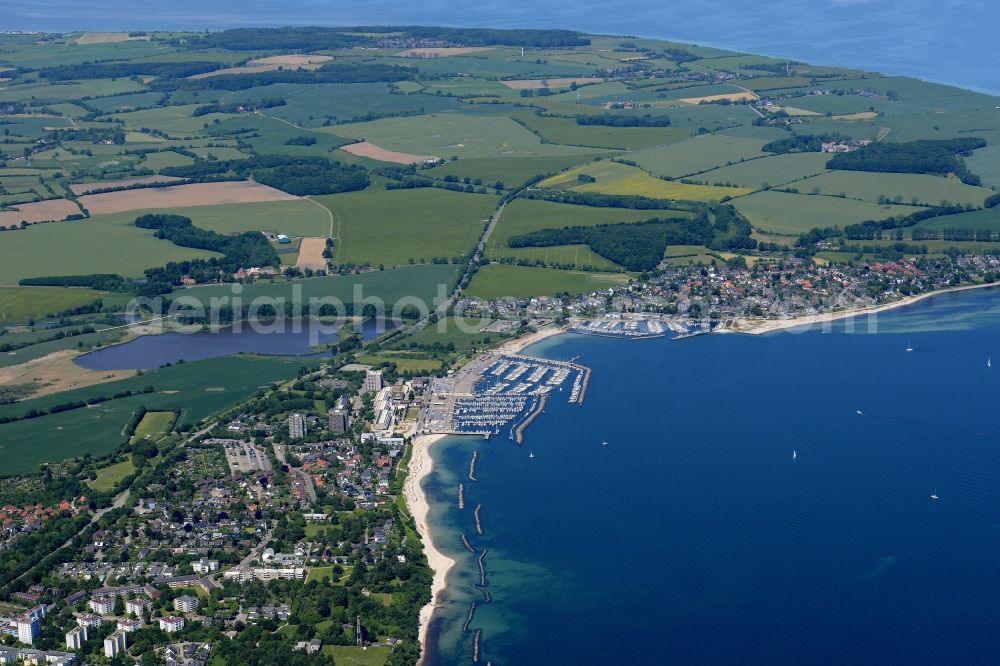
[[461, 496], [503, 393], [479, 524], [487, 597], [472, 466], [468, 546], [468, 618], [519, 430], [475, 645], [585, 385], [482, 568], [629, 329]]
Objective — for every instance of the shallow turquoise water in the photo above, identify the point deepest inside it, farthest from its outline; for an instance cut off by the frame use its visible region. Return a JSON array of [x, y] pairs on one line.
[[694, 538]]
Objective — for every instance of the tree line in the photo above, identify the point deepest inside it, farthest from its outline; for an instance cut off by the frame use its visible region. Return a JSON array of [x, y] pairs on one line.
[[301, 176], [640, 246], [612, 120], [315, 38], [242, 250], [935, 157], [330, 73]]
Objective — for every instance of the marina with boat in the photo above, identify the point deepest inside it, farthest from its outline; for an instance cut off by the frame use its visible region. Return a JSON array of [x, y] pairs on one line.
[[502, 393]]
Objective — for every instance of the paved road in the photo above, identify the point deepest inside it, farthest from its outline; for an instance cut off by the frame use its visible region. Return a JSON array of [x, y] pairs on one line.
[[118, 502]]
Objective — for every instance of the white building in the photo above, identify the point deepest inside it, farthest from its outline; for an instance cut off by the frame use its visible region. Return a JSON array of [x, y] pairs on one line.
[[171, 624], [205, 565], [385, 410], [296, 425], [138, 607], [128, 626], [88, 620], [186, 604], [373, 381], [115, 644], [9, 655], [76, 637], [102, 605], [28, 628], [263, 573]]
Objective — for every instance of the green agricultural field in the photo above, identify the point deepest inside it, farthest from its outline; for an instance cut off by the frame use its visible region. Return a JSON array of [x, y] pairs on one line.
[[909, 188], [511, 171], [403, 364], [784, 213], [701, 153], [501, 280], [60, 52], [986, 218], [219, 153], [318, 574], [389, 286], [349, 655], [567, 131], [108, 477], [616, 178], [162, 160], [770, 171], [197, 389], [41, 90], [469, 87], [301, 217], [170, 119], [84, 247], [447, 134], [985, 163], [523, 216], [271, 136], [154, 425], [40, 349], [391, 227], [683, 255], [463, 332], [19, 304], [833, 104], [312, 106]]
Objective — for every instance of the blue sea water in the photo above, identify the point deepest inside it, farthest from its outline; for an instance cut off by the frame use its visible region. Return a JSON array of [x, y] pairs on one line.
[[948, 41], [694, 538]]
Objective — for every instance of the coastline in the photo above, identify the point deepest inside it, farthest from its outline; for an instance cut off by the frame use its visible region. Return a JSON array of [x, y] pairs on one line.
[[760, 327], [518, 345], [420, 466]]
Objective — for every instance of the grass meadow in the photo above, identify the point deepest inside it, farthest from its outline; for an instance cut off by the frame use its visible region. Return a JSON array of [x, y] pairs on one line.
[[567, 131], [909, 187], [772, 171], [100, 429], [86, 246], [447, 134], [451, 334], [391, 227], [616, 178], [19, 304], [702, 153], [108, 477], [390, 286], [154, 425], [500, 280], [523, 216], [784, 213], [511, 171]]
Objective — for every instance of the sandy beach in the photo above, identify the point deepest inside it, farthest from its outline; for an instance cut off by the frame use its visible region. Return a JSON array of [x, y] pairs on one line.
[[420, 466], [520, 344], [759, 327]]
